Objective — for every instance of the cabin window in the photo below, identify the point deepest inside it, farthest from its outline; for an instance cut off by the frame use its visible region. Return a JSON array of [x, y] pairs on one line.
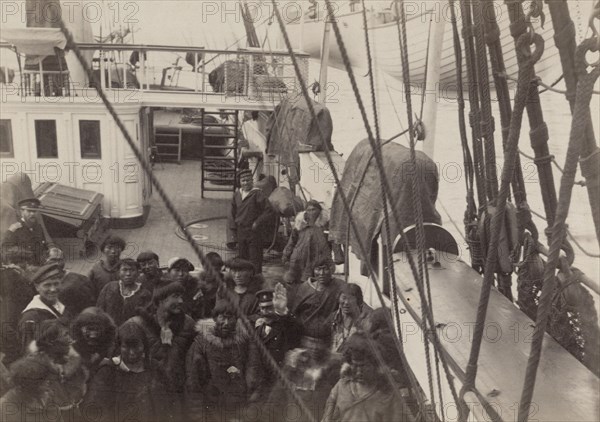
[[45, 138], [89, 137], [6, 139]]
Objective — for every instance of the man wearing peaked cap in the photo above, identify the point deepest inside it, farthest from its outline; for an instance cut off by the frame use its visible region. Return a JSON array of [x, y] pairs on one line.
[[45, 305], [26, 236]]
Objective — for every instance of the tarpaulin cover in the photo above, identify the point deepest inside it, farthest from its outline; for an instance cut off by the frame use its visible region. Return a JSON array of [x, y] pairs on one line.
[[367, 209], [291, 126], [35, 41]]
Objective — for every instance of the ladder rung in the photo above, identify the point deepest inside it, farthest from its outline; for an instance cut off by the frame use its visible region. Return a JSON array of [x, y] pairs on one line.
[[220, 125], [218, 170], [218, 158], [207, 189], [218, 135], [219, 147]]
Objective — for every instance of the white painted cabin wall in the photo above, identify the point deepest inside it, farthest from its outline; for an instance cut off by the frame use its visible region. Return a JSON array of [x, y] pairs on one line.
[[117, 175]]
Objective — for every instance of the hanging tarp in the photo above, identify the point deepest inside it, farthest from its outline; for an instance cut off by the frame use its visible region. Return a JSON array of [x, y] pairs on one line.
[[291, 129], [365, 193], [35, 41]]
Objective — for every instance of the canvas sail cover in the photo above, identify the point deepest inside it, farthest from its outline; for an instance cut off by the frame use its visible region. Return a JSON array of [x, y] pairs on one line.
[[364, 193], [292, 129]]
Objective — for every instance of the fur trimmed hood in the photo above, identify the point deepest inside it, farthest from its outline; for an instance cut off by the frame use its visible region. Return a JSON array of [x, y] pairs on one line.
[[300, 223], [94, 315], [72, 366], [206, 332]]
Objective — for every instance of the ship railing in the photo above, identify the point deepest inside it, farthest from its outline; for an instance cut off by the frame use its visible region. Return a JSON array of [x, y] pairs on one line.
[[249, 73]]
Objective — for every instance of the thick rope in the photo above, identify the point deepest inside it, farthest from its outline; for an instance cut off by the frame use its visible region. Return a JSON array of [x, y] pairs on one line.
[[582, 118], [492, 38], [474, 102], [331, 164], [386, 220], [521, 99], [416, 194], [487, 119], [471, 211], [213, 272], [539, 130]]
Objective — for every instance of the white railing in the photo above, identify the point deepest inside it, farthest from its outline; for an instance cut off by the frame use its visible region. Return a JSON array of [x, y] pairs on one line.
[[250, 73]]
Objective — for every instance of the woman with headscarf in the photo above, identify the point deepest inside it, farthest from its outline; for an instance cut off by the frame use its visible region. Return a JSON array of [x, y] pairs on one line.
[[308, 243]]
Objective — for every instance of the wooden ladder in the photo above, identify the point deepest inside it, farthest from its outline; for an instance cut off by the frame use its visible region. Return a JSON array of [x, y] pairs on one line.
[[219, 151]]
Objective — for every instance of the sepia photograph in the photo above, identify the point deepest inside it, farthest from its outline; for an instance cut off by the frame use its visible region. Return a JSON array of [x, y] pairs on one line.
[[299, 210]]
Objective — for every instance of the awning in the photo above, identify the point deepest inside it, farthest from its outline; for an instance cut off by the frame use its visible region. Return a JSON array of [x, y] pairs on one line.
[[35, 41]]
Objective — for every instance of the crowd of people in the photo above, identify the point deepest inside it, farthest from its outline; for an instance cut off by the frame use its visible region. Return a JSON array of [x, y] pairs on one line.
[[135, 341]]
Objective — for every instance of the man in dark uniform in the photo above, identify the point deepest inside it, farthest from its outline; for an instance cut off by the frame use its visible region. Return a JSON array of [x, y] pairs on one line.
[[26, 236], [279, 331], [250, 216]]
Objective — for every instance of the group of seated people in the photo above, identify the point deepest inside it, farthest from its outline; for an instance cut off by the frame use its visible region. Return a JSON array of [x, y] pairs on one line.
[[132, 341]]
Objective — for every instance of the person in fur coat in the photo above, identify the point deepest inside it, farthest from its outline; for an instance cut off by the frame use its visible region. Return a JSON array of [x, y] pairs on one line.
[[130, 386], [308, 243], [94, 334], [169, 330], [216, 365], [363, 393], [27, 400], [69, 377]]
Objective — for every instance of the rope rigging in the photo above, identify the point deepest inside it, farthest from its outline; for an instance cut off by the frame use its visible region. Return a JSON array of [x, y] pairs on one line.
[[564, 39], [361, 244], [521, 98], [582, 117], [471, 225]]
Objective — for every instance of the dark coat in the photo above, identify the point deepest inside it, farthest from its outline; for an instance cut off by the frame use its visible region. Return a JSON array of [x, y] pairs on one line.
[[76, 293], [171, 357], [29, 240], [216, 371], [34, 314], [307, 246], [254, 208], [117, 307], [193, 303], [247, 302], [101, 274], [15, 407], [279, 336], [15, 292], [120, 395], [309, 304]]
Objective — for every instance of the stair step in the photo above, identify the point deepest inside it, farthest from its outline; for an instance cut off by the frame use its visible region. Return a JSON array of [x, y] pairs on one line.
[[220, 136], [219, 147]]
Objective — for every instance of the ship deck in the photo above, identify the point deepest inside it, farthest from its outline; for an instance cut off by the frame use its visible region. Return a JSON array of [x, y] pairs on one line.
[[181, 182]]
